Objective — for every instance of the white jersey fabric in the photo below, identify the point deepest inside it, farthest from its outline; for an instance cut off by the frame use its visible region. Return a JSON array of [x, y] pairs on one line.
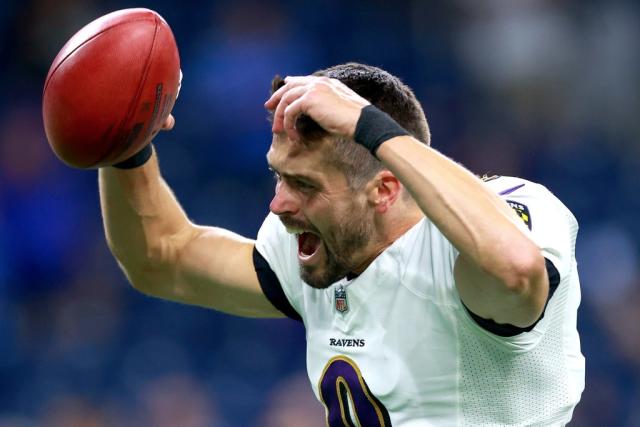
[[407, 353]]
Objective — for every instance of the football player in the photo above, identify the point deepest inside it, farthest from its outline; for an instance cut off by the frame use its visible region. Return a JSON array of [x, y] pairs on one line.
[[430, 297]]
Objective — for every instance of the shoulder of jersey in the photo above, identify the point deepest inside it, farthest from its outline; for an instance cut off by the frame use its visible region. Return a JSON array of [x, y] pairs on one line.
[[274, 222], [522, 195], [507, 185], [272, 228]]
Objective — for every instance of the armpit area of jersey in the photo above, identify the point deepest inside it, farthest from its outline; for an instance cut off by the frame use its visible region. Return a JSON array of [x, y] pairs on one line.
[[271, 286], [507, 330]]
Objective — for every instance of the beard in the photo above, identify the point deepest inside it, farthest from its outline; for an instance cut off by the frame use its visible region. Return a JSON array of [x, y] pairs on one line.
[[342, 244]]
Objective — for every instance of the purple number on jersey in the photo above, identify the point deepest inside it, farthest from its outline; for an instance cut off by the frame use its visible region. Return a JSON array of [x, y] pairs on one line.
[[341, 383]]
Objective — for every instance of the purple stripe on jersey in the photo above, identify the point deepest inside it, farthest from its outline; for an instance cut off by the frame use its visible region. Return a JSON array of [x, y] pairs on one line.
[[510, 190]]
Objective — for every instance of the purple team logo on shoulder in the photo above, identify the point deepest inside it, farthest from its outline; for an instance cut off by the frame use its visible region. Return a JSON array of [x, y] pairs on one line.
[[341, 299], [522, 211]]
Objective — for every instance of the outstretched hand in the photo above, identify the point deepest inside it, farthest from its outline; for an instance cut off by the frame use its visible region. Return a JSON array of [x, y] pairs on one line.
[[168, 123], [329, 102]]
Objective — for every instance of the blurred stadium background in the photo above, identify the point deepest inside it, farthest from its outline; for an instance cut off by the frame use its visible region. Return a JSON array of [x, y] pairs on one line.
[[547, 90]]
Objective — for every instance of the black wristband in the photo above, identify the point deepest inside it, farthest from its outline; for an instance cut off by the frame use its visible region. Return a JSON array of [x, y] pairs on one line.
[[138, 159], [375, 127]]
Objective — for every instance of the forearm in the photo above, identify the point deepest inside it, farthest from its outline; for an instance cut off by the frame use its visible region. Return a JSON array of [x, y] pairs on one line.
[[142, 219], [476, 221]]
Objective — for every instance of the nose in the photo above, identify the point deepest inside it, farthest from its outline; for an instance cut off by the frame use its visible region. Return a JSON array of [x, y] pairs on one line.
[[284, 201]]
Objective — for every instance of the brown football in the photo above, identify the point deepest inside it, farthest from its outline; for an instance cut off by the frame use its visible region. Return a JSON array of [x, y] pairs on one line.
[[110, 88]]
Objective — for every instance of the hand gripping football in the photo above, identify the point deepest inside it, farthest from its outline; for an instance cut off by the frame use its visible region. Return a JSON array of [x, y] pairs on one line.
[[110, 88]]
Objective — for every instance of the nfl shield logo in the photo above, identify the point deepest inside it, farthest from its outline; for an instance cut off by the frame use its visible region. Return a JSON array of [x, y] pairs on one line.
[[341, 299]]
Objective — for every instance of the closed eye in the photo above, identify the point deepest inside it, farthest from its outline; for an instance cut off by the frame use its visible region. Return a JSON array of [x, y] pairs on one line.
[[303, 186], [293, 181]]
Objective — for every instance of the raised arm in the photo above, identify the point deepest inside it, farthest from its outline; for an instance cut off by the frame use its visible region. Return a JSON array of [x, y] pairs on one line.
[[500, 273], [165, 255]]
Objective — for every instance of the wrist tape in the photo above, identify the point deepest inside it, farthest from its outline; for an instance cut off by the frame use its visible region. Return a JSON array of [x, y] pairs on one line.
[[138, 159], [375, 127]]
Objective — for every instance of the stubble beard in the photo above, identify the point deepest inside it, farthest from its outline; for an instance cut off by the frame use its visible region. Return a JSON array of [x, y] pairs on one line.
[[349, 237]]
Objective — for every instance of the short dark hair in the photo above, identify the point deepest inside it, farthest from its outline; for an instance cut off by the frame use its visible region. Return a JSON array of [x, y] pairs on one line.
[[382, 89]]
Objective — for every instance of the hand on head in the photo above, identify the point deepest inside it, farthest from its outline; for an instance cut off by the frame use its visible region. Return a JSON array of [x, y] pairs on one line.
[[329, 102]]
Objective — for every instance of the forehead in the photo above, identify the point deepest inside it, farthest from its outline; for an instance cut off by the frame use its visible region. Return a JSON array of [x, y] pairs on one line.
[[298, 158]]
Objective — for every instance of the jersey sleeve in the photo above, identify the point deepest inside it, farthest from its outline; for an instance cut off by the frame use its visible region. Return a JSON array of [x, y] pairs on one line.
[[553, 228], [551, 225], [277, 268]]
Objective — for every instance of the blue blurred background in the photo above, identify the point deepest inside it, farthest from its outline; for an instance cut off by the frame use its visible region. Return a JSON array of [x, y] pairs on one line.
[[546, 90]]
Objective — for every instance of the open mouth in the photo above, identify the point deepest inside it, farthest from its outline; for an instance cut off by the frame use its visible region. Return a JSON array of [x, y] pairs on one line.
[[308, 245]]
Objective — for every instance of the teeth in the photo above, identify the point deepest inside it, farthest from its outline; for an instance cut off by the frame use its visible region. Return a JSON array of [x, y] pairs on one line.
[[298, 231], [294, 230]]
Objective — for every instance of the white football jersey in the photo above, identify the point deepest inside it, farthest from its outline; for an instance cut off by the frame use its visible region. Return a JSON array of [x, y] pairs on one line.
[[396, 346]]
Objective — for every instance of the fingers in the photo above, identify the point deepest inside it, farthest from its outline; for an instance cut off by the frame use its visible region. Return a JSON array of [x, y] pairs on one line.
[[290, 83], [280, 118], [291, 113], [169, 122], [319, 97]]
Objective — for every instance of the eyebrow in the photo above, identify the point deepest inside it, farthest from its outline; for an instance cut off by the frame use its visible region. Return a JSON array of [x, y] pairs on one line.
[[292, 175]]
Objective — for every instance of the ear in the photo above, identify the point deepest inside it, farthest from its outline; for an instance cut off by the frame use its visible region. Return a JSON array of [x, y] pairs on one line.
[[383, 191]]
